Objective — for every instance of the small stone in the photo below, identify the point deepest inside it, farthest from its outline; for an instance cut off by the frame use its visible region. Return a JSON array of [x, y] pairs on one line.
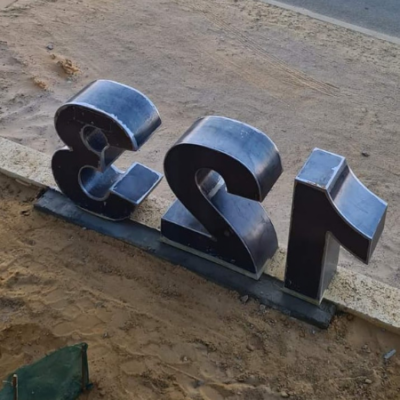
[[263, 307], [49, 47], [106, 335], [252, 380], [244, 299], [390, 354], [365, 349], [184, 359], [285, 395], [364, 154], [250, 347], [197, 384], [367, 381]]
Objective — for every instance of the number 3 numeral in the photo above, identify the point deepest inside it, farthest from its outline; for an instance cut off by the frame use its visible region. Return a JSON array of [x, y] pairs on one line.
[[98, 125]]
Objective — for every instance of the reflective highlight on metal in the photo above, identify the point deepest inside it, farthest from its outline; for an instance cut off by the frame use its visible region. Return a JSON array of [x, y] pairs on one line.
[[331, 207], [98, 125], [220, 170]]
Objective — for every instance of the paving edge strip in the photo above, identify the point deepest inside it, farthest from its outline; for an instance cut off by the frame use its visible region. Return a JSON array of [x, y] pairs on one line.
[[349, 291], [334, 21]]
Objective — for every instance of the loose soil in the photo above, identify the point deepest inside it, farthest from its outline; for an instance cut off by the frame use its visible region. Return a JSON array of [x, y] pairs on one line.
[[157, 331]]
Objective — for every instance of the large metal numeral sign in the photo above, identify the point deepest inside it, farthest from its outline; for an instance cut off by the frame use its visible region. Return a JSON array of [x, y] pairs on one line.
[[220, 170], [330, 208], [98, 125]]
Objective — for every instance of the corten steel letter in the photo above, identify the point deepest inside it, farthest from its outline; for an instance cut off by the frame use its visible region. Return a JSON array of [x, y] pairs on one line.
[[98, 125], [220, 170], [331, 207]]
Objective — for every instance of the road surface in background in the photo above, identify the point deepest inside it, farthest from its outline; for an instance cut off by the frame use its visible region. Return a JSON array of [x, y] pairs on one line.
[[380, 16]]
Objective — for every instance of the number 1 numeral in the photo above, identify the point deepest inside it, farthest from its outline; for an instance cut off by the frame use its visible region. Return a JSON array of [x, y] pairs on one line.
[[331, 207]]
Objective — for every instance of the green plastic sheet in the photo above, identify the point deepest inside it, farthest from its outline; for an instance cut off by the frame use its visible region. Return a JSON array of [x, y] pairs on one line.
[[61, 375]]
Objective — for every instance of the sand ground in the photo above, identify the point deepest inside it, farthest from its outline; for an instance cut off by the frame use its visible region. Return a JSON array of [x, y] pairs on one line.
[[157, 331], [304, 83]]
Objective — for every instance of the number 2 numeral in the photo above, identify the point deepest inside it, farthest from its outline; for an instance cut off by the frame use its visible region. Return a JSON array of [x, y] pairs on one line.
[[220, 170]]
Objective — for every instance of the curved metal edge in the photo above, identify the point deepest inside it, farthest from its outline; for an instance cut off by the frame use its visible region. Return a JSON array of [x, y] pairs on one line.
[[262, 194], [92, 107], [327, 192], [331, 186], [127, 132]]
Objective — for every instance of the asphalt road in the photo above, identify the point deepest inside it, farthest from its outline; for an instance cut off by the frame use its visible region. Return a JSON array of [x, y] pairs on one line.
[[378, 15]]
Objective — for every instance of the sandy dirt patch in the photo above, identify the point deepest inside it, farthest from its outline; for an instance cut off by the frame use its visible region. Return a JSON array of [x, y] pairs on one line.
[[157, 331]]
